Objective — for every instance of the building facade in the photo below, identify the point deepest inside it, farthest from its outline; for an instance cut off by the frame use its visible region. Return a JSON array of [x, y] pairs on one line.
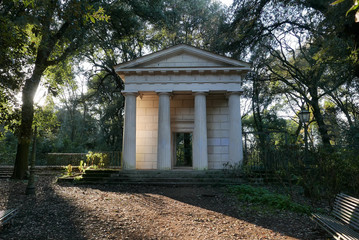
[[182, 110]]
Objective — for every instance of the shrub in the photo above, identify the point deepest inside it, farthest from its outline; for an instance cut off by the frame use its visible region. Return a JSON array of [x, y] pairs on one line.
[[263, 197], [333, 171], [69, 169], [82, 167], [97, 160]]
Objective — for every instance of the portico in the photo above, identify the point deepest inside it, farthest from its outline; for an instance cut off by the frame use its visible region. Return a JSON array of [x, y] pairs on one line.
[[182, 97]]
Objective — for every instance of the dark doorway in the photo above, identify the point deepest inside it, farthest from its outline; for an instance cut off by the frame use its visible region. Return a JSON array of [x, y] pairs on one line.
[[183, 149]]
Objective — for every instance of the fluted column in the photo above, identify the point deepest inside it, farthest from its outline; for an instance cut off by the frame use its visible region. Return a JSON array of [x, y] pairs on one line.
[[164, 132], [129, 131], [200, 154], [235, 129]]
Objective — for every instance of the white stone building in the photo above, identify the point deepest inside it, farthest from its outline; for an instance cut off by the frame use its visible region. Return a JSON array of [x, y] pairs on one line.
[[182, 98]]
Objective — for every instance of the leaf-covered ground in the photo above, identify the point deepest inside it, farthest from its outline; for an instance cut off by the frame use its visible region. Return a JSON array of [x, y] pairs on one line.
[[142, 212]]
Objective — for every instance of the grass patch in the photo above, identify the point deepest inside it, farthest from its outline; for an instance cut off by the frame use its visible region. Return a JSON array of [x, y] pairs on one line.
[[261, 197]]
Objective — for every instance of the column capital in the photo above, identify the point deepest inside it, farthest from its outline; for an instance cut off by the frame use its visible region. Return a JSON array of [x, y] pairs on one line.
[[204, 92], [130, 93], [234, 93], [164, 93]]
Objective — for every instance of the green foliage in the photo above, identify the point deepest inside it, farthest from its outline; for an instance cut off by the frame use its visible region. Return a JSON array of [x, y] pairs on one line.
[[234, 170], [308, 68], [49, 32], [8, 144], [263, 197], [99, 15], [96, 160], [354, 7], [68, 169], [82, 166], [9, 114], [194, 22], [333, 171], [78, 178], [45, 118], [105, 103]]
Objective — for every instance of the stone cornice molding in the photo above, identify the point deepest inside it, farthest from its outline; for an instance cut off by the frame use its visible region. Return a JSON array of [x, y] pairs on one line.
[[187, 70], [179, 49]]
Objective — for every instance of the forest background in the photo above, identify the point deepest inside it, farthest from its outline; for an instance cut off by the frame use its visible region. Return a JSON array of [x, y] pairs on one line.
[[58, 56]]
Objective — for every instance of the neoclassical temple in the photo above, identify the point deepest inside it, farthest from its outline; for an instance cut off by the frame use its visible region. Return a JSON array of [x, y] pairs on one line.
[[182, 110]]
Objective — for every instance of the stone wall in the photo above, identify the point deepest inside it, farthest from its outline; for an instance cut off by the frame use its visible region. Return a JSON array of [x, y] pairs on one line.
[[182, 120], [217, 131], [146, 134]]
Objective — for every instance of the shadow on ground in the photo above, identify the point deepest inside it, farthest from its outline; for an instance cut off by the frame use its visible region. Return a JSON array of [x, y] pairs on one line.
[[48, 215], [217, 199], [37, 211], [51, 214]]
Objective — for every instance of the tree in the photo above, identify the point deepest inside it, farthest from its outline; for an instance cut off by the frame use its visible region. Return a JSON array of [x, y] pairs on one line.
[[106, 104], [53, 31], [194, 22], [300, 48], [354, 7], [335, 23]]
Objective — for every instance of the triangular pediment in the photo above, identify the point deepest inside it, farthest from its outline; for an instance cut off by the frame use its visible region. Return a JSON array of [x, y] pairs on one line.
[[181, 57]]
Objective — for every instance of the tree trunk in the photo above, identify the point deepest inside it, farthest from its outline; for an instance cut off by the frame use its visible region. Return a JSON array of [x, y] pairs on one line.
[[27, 116], [322, 128]]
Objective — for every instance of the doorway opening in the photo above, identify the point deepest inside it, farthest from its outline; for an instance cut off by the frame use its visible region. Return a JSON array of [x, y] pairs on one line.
[[182, 149]]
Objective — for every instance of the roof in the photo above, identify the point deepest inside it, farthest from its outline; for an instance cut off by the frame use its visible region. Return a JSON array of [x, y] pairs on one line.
[[182, 58]]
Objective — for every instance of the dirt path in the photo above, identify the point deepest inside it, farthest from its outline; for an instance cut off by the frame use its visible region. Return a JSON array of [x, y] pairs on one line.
[[128, 212]]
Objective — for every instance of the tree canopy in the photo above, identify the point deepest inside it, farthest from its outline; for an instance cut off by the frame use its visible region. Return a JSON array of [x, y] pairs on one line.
[[304, 53]]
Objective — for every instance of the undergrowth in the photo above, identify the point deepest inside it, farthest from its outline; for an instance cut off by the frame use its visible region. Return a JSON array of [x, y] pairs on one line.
[[262, 197]]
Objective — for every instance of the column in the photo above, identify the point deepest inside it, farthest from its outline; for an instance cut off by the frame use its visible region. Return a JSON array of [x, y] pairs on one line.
[[164, 132], [129, 131], [200, 154], [235, 129]]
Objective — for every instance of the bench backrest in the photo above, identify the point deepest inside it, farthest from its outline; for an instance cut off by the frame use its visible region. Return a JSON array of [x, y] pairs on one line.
[[6, 215], [346, 209]]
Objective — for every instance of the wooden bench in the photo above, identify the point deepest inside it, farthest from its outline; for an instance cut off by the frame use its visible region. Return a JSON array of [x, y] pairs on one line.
[[6, 215], [344, 224]]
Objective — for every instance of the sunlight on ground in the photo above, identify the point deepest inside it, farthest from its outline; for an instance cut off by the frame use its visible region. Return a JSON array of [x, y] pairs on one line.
[[151, 215]]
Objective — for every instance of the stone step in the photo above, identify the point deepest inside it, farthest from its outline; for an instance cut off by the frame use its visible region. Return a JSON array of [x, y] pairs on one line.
[[182, 184], [162, 174], [5, 172], [177, 179], [157, 177], [160, 183], [171, 177], [5, 176], [96, 175], [162, 177]]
